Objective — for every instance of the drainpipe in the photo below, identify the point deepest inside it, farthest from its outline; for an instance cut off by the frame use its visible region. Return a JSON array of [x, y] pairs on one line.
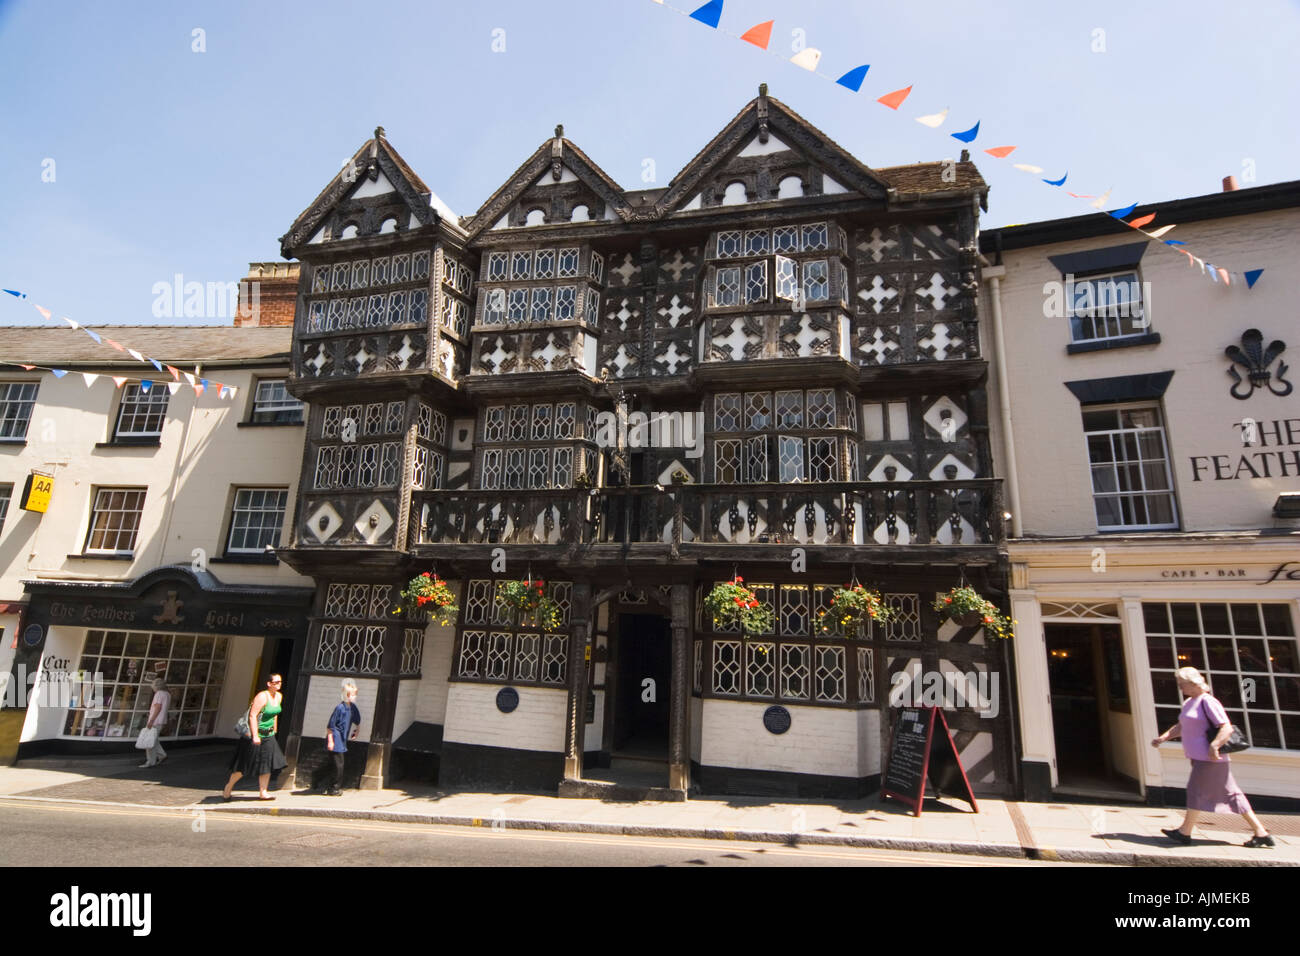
[[176, 475], [993, 275]]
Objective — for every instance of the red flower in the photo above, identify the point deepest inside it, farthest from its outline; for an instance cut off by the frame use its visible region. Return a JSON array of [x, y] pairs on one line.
[[421, 600], [738, 579], [425, 574], [753, 604], [739, 602]]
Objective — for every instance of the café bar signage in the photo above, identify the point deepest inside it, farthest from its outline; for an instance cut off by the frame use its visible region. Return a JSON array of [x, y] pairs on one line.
[[173, 599]]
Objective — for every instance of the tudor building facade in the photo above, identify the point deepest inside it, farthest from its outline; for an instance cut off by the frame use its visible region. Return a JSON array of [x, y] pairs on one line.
[[772, 366]]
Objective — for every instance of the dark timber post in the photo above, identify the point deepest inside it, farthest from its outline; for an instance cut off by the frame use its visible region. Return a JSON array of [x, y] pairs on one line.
[[679, 757], [575, 727], [379, 753]]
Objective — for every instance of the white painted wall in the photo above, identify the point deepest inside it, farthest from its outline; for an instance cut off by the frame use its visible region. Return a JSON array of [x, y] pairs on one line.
[[408, 692], [435, 667], [536, 724], [821, 740], [1123, 743]]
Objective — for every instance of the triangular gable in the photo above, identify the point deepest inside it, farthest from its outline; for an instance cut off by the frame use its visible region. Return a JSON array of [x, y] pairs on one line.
[[556, 155], [379, 171], [767, 127]]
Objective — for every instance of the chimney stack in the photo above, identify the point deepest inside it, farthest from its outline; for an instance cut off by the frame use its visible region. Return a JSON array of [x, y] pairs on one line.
[[1229, 184]]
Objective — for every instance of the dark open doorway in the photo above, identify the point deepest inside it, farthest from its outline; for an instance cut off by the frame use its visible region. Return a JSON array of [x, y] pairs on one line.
[[643, 657], [1092, 716]]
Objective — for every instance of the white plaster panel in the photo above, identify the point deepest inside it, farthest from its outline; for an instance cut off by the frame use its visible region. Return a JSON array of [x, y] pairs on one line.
[[821, 740], [697, 727], [536, 724], [408, 693], [439, 643], [380, 187], [755, 148]]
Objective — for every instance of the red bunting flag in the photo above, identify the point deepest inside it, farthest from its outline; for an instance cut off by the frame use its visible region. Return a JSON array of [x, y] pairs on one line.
[[1000, 152], [1141, 221], [120, 348], [759, 35], [28, 367], [175, 372], [895, 99]]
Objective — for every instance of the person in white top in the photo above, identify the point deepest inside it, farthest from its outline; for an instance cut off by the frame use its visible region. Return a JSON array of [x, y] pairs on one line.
[[158, 707]]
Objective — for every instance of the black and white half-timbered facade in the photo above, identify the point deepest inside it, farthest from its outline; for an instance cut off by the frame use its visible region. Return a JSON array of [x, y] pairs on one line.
[[771, 367]]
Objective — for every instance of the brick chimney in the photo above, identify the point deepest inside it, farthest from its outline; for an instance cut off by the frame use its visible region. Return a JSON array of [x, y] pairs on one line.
[[1229, 184], [268, 294]]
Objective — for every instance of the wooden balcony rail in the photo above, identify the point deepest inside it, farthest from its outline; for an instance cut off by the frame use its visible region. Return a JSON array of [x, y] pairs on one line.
[[947, 513]]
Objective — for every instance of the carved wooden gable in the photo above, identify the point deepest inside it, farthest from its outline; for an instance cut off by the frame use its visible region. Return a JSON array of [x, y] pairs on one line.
[[768, 153]]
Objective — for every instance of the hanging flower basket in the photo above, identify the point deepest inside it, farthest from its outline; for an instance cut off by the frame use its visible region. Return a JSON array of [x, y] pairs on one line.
[[851, 607], [529, 602], [429, 593], [731, 604], [965, 606]]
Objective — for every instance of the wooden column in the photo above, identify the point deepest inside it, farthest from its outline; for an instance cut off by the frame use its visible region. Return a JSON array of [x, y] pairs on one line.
[[575, 723], [380, 750], [679, 751]]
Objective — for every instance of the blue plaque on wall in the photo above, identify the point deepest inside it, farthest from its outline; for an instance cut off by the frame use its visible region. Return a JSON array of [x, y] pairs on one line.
[[776, 719], [507, 699], [32, 634]]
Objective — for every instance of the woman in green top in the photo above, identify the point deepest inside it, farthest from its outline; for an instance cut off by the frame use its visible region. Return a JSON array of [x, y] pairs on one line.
[[258, 753]]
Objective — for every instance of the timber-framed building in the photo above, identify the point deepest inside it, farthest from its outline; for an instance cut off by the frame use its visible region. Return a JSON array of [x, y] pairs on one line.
[[772, 366]]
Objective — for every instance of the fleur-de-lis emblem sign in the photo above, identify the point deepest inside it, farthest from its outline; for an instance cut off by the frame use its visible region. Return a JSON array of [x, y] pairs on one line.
[[1255, 360]]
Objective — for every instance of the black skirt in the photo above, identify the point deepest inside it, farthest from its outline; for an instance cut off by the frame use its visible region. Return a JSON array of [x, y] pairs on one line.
[[266, 757]]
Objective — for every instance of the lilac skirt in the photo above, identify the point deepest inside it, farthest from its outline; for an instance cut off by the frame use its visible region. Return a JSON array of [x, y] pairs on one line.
[[1212, 788]]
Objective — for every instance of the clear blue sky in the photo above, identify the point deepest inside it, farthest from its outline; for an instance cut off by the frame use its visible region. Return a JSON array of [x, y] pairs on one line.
[[170, 161]]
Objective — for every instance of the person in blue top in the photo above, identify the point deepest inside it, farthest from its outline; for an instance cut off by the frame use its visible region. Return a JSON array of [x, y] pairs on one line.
[[343, 726]]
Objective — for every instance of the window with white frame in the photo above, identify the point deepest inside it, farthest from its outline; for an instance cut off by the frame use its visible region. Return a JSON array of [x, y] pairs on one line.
[[1248, 654], [255, 519], [785, 272], [273, 405], [16, 402], [6, 493], [351, 638], [115, 520], [1132, 483], [1106, 307], [142, 412], [531, 459]]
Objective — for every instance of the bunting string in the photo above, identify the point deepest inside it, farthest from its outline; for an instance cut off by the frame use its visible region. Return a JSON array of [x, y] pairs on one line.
[[200, 385], [710, 14]]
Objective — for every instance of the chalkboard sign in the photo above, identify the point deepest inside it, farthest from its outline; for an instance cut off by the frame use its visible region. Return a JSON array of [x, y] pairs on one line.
[[916, 753]]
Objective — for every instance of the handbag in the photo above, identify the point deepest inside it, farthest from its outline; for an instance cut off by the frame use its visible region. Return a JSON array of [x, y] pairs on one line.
[[1235, 743], [241, 726], [148, 737]]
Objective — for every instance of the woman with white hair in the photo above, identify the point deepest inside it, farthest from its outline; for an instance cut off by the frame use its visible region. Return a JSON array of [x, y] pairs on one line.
[[1210, 788], [344, 723]]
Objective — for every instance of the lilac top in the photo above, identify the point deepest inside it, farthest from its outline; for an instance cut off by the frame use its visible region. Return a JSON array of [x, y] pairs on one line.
[[1198, 715]]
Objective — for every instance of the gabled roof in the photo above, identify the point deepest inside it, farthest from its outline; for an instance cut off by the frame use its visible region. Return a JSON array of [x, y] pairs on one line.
[[764, 116], [375, 156], [555, 153]]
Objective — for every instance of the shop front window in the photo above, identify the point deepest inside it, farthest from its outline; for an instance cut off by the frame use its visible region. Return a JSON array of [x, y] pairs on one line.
[[194, 667]]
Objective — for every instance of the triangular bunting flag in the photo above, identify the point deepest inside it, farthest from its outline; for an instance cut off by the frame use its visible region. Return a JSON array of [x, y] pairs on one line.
[[17, 295], [175, 372], [1252, 276], [71, 323], [1123, 213], [43, 311], [853, 79], [90, 377], [709, 14], [895, 99], [28, 367], [1057, 182], [1141, 221], [173, 387], [1026, 168], [759, 35], [808, 58], [1175, 242], [1079, 195], [1000, 152], [146, 385], [221, 392], [934, 120], [198, 389], [156, 364], [1224, 274], [1157, 233], [135, 355], [94, 335], [967, 135], [59, 372], [120, 348], [189, 377], [1102, 199], [119, 380], [231, 390]]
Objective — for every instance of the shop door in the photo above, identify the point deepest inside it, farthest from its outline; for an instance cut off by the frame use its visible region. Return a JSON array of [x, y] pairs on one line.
[[644, 662], [1091, 714]]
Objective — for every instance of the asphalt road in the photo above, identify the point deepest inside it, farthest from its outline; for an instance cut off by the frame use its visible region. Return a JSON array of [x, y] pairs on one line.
[[67, 835]]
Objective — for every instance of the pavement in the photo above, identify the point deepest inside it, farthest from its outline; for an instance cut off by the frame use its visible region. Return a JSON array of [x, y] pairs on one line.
[[1120, 834]]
